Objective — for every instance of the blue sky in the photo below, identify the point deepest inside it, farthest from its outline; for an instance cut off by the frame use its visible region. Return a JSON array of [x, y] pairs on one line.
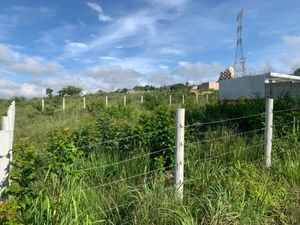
[[109, 44]]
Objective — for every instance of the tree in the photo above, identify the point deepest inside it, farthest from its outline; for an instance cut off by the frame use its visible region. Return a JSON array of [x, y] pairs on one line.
[[123, 90], [49, 92], [297, 72], [70, 91], [139, 88], [178, 87], [266, 67]]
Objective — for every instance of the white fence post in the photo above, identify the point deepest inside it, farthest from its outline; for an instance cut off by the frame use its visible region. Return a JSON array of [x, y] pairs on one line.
[[179, 157], [197, 98], [268, 131], [106, 101], [182, 99], [84, 106], [170, 100], [63, 104], [142, 100], [6, 144], [5, 123], [43, 105], [124, 100], [207, 99]]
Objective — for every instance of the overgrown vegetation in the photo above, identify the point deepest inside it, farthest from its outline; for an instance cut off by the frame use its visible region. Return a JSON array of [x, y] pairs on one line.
[[81, 166]]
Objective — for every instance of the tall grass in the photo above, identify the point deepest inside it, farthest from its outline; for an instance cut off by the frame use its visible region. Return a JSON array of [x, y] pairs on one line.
[[225, 179]]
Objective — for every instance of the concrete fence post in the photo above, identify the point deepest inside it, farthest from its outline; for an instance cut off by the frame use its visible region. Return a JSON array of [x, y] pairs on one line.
[[6, 144], [84, 106], [207, 101], [179, 152], [142, 100], [63, 104], [197, 98], [106, 101], [10, 115], [43, 105], [124, 100], [5, 123], [183, 99], [170, 100], [268, 131]]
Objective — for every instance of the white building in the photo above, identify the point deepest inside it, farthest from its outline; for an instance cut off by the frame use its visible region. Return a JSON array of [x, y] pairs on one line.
[[259, 86]]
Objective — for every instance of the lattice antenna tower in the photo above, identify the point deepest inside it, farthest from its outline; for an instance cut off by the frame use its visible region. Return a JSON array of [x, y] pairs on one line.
[[239, 60]]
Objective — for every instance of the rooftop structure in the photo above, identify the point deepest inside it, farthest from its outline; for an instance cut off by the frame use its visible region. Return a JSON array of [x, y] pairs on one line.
[[260, 86]]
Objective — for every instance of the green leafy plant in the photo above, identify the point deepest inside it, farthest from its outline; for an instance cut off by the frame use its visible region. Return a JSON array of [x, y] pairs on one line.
[[23, 175], [62, 154]]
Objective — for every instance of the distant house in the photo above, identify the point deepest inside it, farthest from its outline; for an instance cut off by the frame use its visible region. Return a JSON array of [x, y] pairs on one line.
[[259, 86], [193, 87], [208, 86]]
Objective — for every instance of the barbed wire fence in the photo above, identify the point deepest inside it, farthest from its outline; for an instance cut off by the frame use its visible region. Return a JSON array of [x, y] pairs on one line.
[[261, 147], [177, 169]]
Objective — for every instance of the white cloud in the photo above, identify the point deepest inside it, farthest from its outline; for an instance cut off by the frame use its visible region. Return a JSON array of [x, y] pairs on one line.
[[140, 64], [16, 62], [99, 10], [95, 7], [197, 72], [53, 38], [10, 89], [284, 57], [45, 11], [164, 67], [110, 58], [76, 45], [171, 51], [111, 77], [6, 54], [104, 18], [292, 42], [167, 4], [34, 66]]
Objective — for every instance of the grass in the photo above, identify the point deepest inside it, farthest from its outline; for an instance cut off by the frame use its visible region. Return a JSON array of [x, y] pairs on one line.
[[231, 186]]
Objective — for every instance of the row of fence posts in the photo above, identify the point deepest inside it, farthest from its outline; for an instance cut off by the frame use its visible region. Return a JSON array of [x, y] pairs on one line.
[[124, 101], [179, 147], [6, 145], [7, 131]]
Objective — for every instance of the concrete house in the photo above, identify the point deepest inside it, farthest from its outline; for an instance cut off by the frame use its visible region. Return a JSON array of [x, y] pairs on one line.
[[208, 86], [259, 86]]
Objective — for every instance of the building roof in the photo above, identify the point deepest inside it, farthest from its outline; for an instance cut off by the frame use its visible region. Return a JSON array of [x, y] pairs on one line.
[[280, 77]]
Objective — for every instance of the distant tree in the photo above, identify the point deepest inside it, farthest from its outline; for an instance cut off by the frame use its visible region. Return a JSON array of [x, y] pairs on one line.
[[178, 87], [267, 67], [149, 88], [139, 88], [49, 92], [297, 72], [121, 90], [70, 91]]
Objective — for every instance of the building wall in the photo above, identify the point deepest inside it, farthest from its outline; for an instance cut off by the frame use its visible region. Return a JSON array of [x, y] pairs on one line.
[[276, 90], [213, 85], [209, 85], [242, 87]]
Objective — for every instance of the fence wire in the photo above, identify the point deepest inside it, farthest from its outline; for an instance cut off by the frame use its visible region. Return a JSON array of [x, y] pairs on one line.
[[126, 160], [129, 178]]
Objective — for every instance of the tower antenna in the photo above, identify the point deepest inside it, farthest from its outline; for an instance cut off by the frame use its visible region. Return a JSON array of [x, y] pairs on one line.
[[239, 59]]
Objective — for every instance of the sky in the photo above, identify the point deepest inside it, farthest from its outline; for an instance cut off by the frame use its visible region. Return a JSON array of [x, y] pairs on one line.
[[110, 44]]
